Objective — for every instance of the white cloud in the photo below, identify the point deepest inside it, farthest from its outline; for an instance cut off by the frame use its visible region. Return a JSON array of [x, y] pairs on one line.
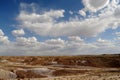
[[82, 12], [47, 24], [1, 33], [93, 27], [39, 23], [117, 34], [115, 2], [19, 32], [75, 38], [104, 43], [22, 41], [53, 44], [117, 38], [55, 41], [73, 46], [93, 5], [75, 42], [71, 12], [29, 7], [3, 38], [47, 16], [117, 12], [106, 46], [101, 40]]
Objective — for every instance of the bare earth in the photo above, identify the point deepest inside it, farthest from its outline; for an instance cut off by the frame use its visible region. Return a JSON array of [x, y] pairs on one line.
[[104, 67]]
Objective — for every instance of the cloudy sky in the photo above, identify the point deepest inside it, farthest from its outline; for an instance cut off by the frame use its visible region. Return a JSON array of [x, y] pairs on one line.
[[59, 27]]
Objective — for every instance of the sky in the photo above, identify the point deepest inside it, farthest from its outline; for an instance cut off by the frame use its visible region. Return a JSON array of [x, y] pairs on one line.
[[59, 27]]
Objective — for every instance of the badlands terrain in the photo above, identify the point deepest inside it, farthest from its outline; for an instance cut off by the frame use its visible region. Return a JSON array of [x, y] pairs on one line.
[[88, 67]]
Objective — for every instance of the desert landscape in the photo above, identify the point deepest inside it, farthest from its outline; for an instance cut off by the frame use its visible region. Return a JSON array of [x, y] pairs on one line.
[[87, 67], [59, 39]]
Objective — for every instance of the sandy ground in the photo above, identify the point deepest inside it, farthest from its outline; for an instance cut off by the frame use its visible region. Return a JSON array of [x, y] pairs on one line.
[[105, 76], [8, 71], [92, 75]]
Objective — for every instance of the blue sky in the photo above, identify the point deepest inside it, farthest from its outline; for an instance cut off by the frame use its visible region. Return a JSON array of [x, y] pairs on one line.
[[55, 27], [10, 9]]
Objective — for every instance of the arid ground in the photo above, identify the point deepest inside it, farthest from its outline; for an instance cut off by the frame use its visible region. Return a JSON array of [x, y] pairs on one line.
[[88, 67]]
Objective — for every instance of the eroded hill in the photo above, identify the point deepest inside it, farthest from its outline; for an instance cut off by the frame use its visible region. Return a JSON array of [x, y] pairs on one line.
[[60, 67]]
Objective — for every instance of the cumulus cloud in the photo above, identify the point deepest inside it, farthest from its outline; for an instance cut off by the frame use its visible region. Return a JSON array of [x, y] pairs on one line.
[[117, 34], [82, 12], [47, 16], [22, 41], [1, 33], [93, 27], [118, 39], [106, 46], [104, 43], [71, 12], [73, 46], [19, 32], [50, 23], [3, 38], [93, 5], [55, 41], [39, 23], [53, 44], [76, 43], [29, 7], [117, 12], [47, 23], [75, 38]]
